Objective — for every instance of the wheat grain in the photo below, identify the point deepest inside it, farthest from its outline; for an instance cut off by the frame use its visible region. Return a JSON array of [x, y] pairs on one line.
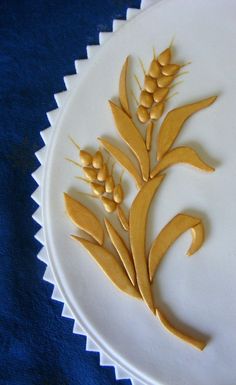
[[98, 160]]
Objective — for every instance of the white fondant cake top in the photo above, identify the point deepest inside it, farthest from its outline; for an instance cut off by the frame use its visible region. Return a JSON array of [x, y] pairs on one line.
[[200, 291]]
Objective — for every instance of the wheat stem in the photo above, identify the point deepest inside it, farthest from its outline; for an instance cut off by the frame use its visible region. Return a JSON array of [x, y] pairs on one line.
[[149, 131]]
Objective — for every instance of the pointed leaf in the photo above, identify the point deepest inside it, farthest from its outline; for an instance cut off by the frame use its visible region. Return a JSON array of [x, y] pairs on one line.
[[123, 160], [173, 122], [137, 225], [110, 266], [122, 250], [131, 135], [123, 88], [84, 218], [181, 155], [168, 235]]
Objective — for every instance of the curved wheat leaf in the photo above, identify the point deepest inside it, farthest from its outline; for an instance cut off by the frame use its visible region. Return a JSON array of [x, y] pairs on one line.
[[198, 238], [200, 345], [173, 122], [168, 235], [123, 160], [123, 88], [84, 218], [110, 266], [122, 250], [131, 135], [137, 225], [181, 155]]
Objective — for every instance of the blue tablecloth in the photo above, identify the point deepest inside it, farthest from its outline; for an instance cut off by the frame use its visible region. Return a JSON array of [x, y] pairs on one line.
[[39, 42]]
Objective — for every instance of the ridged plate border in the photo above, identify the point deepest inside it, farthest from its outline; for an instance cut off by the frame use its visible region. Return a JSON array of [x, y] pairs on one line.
[[46, 134]]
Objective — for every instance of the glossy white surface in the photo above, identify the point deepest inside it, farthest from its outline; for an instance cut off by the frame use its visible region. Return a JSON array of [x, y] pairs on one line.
[[200, 291]]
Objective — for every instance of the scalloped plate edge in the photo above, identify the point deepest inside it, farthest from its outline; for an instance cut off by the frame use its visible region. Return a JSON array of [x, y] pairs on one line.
[[46, 134]]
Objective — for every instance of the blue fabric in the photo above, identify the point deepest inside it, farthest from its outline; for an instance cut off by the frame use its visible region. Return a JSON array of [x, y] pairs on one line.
[[39, 42]]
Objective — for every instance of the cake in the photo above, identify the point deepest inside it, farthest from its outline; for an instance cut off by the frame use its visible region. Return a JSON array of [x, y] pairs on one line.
[[145, 147]]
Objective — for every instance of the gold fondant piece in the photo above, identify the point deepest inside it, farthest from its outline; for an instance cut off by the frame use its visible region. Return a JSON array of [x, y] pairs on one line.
[[173, 122], [109, 184], [198, 238], [84, 218], [108, 204], [123, 87], [85, 158], [98, 160], [165, 57], [160, 94], [90, 173], [146, 99], [110, 266], [200, 345], [118, 194], [170, 69], [123, 160], [98, 189], [181, 155], [102, 173], [137, 230], [168, 235], [122, 250], [149, 131], [131, 135], [155, 69], [150, 84], [157, 111], [165, 81], [122, 218], [143, 114]]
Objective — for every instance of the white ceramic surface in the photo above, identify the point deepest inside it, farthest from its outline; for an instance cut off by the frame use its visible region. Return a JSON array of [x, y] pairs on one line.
[[201, 291]]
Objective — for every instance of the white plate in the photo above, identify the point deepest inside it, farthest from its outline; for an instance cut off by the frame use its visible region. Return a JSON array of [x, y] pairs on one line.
[[200, 291]]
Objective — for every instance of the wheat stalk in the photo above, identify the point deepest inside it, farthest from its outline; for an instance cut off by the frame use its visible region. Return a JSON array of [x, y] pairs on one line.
[[135, 273]]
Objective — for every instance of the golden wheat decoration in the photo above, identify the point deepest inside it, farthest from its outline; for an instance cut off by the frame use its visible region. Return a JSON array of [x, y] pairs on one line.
[[131, 270]]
